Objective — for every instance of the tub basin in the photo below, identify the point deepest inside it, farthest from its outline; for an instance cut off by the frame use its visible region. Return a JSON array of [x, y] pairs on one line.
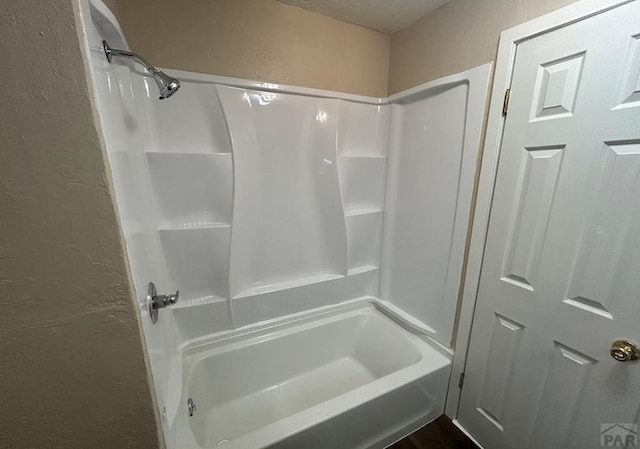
[[351, 378]]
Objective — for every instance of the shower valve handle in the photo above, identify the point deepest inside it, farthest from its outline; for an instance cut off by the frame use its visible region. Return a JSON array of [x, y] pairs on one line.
[[155, 302], [162, 301]]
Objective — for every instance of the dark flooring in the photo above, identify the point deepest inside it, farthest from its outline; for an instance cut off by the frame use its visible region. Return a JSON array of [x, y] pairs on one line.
[[440, 434]]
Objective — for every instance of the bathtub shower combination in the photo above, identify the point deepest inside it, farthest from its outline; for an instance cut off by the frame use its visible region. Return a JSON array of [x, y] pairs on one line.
[[316, 240]]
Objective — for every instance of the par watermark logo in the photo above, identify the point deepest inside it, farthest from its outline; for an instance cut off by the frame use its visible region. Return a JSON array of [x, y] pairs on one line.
[[619, 435]]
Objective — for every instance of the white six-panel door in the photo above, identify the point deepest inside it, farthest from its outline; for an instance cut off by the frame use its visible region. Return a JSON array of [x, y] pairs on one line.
[[560, 277]]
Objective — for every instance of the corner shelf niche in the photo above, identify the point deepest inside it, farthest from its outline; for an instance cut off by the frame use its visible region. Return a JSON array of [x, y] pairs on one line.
[[191, 178], [196, 260], [364, 236], [192, 188], [362, 182]]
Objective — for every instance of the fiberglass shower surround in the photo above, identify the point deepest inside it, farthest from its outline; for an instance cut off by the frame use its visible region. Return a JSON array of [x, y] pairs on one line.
[[270, 205], [261, 203]]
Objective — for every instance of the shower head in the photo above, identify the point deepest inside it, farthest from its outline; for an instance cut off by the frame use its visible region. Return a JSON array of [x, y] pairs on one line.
[[168, 85]]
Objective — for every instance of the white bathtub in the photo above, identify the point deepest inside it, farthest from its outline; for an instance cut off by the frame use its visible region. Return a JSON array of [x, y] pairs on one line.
[[347, 378]]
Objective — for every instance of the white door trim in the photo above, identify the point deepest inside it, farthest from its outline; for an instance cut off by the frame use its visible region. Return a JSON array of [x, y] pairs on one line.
[[509, 39]]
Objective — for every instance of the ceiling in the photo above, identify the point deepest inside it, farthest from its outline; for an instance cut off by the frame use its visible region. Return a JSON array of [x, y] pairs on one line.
[[387, 16]]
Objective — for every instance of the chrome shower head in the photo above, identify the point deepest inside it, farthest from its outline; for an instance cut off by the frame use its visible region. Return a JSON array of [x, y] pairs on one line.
[[168, 85]]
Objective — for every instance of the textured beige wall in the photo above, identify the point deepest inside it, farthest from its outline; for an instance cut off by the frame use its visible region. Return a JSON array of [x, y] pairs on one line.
[[114, 6], [257, 39], [72, 372], [458, 36]]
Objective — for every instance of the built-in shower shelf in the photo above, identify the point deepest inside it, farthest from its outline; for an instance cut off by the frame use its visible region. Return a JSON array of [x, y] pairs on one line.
[[288, 284], [362, 156], [196, 153], [364, 269], [195, 225], [191, 302], [362, 211]]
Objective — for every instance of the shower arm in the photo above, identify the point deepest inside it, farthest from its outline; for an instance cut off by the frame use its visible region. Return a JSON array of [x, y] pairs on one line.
[[167, 85], [111, 52]]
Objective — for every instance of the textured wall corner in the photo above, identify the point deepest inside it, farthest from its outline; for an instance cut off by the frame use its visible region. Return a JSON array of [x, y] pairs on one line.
[[72, 363]]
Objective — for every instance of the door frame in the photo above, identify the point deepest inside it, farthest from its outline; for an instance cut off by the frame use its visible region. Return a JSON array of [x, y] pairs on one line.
[[509, 41]]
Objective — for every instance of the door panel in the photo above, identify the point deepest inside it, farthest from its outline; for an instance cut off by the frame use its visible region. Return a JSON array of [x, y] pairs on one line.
[[536, 187], [561, 272], [505, 345]]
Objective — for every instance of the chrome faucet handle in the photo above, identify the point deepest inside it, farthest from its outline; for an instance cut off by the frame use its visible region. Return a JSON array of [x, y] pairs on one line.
[[156, 302], [174, 298], [166, 300]]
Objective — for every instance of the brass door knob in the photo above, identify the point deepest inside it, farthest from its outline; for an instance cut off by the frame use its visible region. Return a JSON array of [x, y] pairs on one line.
[[624, 351]]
